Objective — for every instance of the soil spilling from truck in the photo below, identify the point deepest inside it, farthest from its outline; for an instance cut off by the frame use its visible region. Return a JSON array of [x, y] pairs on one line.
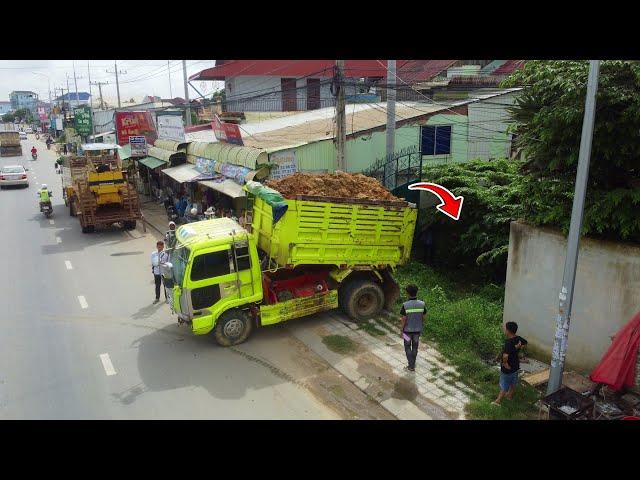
[[338, 184]]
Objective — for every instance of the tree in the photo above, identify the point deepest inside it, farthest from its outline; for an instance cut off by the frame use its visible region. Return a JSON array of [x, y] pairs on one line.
[[492, 199], [549, 114], [8, 117]]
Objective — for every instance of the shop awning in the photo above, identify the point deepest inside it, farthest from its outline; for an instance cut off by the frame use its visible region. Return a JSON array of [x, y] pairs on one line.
[[99, 135], [125, 152], [166, 155], [182, 173], [152, 162], [248, 157], [226, 187]]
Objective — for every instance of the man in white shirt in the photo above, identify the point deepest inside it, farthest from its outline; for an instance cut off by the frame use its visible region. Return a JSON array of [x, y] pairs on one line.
[[157, 258]]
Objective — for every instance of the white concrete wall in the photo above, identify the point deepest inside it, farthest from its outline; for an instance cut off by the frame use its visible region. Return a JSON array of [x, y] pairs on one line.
[[607, 291], [270, 90], [488, 122]]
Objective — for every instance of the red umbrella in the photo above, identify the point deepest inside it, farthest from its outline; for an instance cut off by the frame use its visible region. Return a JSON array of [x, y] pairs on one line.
[[618, 365]]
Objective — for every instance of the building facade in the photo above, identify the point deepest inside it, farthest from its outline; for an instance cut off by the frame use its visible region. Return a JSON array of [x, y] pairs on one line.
[[24, 99], [5, 107]]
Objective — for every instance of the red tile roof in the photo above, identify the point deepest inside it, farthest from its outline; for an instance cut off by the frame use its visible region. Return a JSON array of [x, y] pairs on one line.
[[409, 71], [412, 71], [508, 67], [290, 68]]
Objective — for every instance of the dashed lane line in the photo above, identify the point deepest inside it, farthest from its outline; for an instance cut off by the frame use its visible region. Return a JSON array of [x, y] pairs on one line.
[[68, 265], [107, 365], [83, 302], [51, 222], [58, 240]]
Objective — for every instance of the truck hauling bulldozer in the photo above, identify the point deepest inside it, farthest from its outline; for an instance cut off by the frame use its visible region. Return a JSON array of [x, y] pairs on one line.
[[96, 190]]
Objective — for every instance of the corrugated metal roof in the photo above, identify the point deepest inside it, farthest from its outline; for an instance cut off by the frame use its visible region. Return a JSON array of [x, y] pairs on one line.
[[170, 144], [125, 152], [227, 187], [182, 173], [152, 162], [222, 152], [164, 154]]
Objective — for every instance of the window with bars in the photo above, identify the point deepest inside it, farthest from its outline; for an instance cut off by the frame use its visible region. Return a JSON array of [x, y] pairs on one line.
[[436, 139]]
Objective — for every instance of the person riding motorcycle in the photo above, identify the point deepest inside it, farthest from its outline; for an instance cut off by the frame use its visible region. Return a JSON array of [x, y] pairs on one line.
[[170, 237], [34, 151], [44, 194], [49, 142]]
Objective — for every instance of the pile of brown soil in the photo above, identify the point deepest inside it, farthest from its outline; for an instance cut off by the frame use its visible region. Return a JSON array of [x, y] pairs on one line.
[[338, 184]]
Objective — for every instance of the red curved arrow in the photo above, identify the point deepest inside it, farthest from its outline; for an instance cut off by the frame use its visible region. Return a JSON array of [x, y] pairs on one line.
[[451, 205]]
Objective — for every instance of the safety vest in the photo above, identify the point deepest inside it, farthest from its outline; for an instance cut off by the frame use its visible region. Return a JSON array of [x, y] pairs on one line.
[[44, 196], [414, 310]]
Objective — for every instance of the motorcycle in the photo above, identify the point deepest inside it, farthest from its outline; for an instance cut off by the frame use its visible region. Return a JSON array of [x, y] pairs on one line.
[[172, 214], [34, 156], [48, 146], [47, 209], [37, 137]]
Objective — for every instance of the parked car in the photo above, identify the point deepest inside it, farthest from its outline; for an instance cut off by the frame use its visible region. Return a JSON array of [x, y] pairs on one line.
[[23, 136], [28, 130], [13, 175]]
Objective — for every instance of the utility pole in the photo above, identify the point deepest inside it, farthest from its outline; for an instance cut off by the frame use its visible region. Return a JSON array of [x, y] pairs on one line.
[[186, 91], [99, 84], [169, 71], [389, 175], [115, 64], [93, 123], [573, 240], [341, 133]]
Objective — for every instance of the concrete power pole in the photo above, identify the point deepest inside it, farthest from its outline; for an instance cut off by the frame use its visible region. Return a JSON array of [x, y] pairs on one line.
[[93, 123], [573, 240], [389, 174], [169, 70], [341, 117], [115, 64], [186, 91], [99, 84]]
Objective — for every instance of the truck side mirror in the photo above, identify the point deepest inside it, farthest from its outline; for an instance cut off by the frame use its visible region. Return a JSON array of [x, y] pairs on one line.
[[166, 270]]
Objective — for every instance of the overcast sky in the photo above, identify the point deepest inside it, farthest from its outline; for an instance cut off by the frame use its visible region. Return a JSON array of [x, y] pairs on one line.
[[143, 77]]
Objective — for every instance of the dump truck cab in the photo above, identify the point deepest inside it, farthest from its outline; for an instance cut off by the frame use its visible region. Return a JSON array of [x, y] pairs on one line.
[[215, 269]]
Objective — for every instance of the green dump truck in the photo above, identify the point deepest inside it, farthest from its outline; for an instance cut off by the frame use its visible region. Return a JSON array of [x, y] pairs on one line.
[[296, 258], [10, 145]]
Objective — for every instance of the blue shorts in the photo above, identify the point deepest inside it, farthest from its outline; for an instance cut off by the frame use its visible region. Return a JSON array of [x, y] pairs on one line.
[[508, 380]]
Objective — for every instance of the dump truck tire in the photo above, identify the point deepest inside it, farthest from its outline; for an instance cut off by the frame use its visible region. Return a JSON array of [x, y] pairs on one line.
[[362, 299], [233, 327], [129, 225], [88, 229]]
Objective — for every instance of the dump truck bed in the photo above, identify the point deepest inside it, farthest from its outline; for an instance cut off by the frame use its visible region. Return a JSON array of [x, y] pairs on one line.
[[336, 231]]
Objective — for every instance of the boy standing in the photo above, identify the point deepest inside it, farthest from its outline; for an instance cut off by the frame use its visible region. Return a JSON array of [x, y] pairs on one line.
[[413, 312], [509, 362]]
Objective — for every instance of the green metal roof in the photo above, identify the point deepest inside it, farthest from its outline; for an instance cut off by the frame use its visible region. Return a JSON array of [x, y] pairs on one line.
[[125, 152], [152, 162]]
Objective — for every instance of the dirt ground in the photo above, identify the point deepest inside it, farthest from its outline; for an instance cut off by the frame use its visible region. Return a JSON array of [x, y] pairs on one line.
[[338, 184]]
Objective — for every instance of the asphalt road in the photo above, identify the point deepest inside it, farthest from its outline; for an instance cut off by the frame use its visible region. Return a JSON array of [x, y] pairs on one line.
[[81, 339]]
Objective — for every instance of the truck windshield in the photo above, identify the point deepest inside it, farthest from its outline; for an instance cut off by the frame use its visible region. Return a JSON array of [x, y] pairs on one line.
[[179, 260]]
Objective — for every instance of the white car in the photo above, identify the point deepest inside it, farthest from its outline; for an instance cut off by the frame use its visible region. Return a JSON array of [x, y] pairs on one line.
[[13, 175], [28, 130], [23, 136]]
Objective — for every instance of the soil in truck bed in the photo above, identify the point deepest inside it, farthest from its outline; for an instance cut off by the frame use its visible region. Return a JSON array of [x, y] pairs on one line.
[[338, 184]]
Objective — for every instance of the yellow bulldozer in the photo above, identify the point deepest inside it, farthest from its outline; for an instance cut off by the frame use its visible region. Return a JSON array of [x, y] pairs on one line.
[[96, 190]]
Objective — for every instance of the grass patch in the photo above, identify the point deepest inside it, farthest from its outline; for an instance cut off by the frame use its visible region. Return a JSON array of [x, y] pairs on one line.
[[340, 344], [466, 322]]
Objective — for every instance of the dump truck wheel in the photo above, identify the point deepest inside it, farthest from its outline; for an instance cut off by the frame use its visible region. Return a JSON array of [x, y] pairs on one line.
[[129, 225], [72, 208], [88, 229], [362, 299], [233, 327]]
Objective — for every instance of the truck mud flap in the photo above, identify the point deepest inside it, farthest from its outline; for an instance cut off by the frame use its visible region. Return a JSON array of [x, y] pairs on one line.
[[390, 288]]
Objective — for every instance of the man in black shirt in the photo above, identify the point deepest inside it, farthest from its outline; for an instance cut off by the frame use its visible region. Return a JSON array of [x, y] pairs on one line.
[[509, 362]]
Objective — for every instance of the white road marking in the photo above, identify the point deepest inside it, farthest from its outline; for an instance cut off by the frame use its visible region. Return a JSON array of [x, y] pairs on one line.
[[68, 264], [58, 240], [52, 222], [106, 363], [83, 302]]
